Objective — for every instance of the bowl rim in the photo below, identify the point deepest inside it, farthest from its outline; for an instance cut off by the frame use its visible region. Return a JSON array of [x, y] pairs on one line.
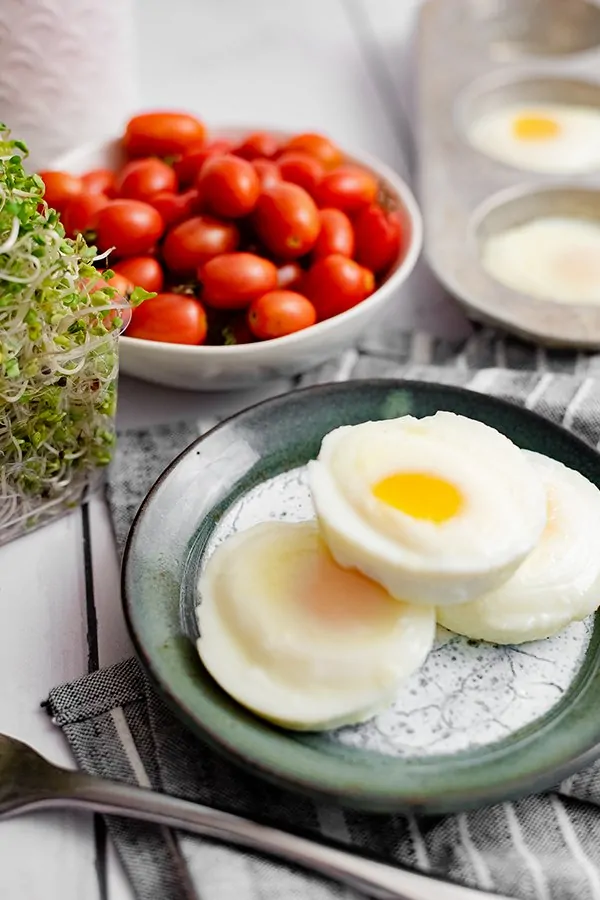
[[399, 186]]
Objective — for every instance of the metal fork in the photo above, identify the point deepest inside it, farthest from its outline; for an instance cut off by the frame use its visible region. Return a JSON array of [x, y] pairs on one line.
[[28, 782]]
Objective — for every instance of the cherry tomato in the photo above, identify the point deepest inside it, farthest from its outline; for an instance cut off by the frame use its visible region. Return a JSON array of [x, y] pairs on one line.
[[378, 238], [287, 220], [142, 271], [229, 186], [259, 143], [175, 208], [142, 178], [319, 147], [234, 280], [267, 172], [130, 226], [347, 188], [335, 284], [60, 188], [187, 167], [193, 242], [336, 234], [99, 181], [173, 318], [290, 276], [162, 134], [81, 213], [302, 169], [278, 313]]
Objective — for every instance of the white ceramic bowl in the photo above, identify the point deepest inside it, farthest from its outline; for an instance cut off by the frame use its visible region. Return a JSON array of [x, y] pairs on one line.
[[245, 365]]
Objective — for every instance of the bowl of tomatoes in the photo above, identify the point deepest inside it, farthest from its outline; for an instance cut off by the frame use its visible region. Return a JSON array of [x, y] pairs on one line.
[[268, 251]]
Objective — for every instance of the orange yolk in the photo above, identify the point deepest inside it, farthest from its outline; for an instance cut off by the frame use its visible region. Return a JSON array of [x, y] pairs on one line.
[[535, 128], [419, 495]]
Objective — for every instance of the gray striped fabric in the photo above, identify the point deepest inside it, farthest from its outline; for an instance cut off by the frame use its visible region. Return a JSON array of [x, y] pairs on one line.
[[545, 847]]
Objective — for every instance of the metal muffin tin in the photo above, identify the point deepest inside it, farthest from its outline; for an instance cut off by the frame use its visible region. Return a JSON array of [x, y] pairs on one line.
[[475, 55]]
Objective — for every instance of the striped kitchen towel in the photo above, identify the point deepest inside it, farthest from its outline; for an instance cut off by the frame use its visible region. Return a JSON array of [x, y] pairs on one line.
[[545, 847]]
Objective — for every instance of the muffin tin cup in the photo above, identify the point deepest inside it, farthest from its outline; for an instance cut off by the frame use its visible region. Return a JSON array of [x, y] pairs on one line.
[[474, 56]]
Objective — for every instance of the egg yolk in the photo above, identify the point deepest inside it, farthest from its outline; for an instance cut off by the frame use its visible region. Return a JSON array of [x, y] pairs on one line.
[[535, 128], [419, 495]]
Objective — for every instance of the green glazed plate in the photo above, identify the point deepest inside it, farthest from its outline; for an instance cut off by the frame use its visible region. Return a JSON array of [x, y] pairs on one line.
[[478, 724]]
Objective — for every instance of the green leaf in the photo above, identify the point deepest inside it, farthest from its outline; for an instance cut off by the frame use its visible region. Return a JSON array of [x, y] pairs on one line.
[[11, 367], [138, 295]]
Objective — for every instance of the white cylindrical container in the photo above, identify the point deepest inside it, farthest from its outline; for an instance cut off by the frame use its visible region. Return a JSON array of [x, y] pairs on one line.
[[67, 72]]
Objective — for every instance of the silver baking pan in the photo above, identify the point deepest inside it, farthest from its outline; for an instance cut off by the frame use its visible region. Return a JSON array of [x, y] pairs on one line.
[[476, 56]]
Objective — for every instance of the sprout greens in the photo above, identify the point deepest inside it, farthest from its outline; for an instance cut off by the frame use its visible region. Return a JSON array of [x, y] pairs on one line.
[[59, 324]]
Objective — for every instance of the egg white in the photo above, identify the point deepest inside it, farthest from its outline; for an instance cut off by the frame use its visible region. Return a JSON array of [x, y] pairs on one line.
[[298, 640], [558, 583], [576, 147], [420, 561], [554, 258]]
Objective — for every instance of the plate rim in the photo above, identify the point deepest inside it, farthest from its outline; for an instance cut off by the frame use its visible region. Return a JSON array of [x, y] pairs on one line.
[[376, 799]]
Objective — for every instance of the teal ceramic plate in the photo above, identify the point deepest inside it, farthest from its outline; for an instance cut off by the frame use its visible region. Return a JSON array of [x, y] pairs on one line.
[[478, 724]]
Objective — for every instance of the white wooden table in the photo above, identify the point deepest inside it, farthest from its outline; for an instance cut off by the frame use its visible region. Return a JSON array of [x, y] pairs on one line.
[[338, 66]]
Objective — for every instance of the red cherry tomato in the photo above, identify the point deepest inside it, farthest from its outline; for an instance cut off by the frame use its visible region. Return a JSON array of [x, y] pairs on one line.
[[81, 213], [142, 271], [319, 147], [143, 178], [173, 318], [267, 172], [259, 143], [187, 167], [233, 280], [193, 242], [302, 169], [130, 226], [174, 208], [162, 134], [290, 276], [335, 284], [336, 234], [228, 186], [99, 181], [348, 188], [287, 220], [378, 238], [278, 313], [60, 188]]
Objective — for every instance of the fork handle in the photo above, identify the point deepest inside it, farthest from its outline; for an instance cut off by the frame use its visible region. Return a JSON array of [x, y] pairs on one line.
[[377, 879]]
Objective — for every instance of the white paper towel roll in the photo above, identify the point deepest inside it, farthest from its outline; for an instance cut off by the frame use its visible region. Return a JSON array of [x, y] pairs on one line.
[[67, 72]]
